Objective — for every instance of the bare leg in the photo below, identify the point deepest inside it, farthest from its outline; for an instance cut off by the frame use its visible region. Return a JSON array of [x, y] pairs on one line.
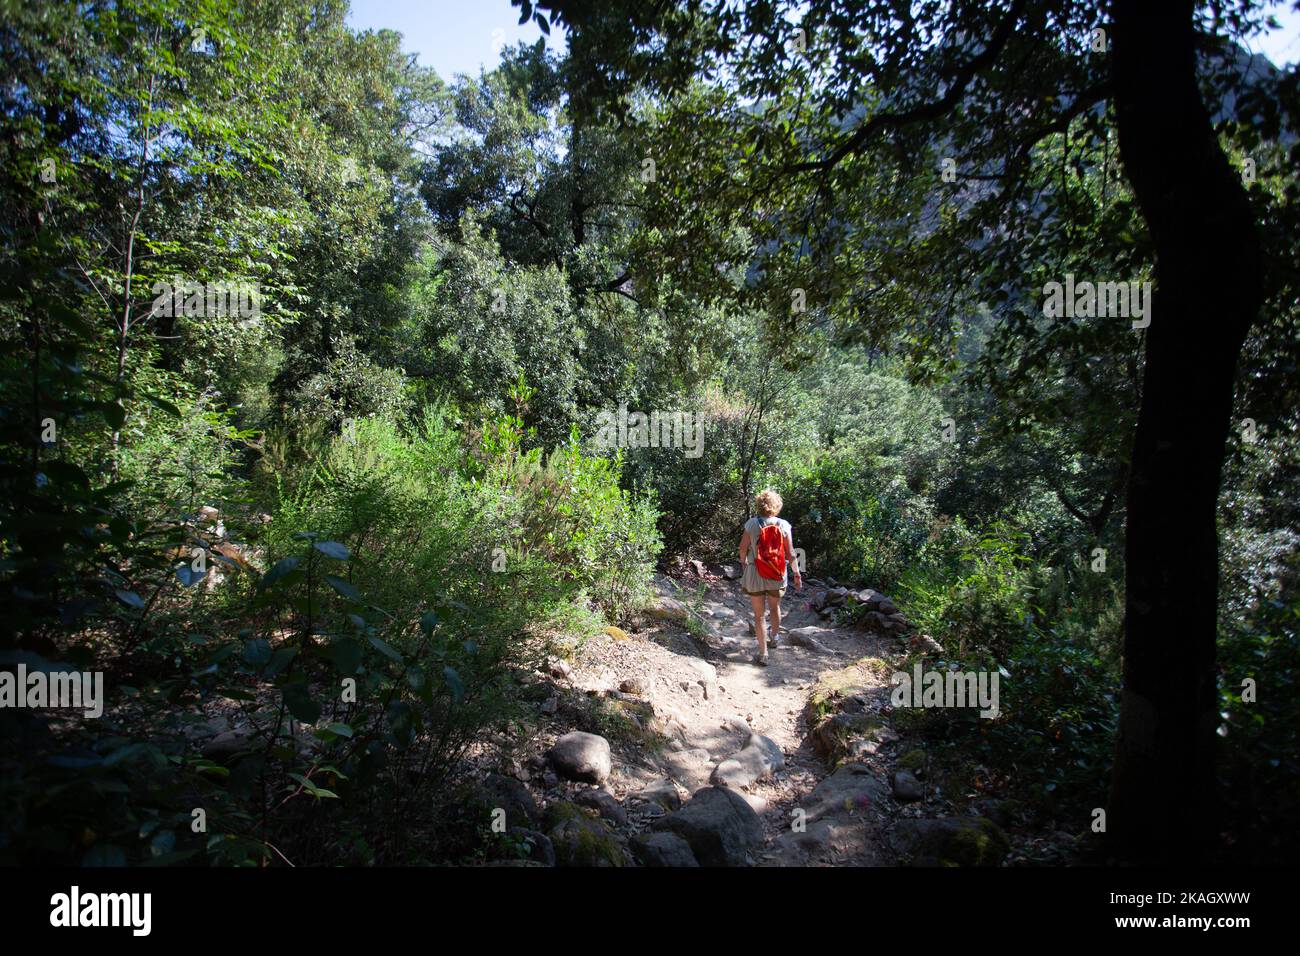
[[774, 608], [760, 626]]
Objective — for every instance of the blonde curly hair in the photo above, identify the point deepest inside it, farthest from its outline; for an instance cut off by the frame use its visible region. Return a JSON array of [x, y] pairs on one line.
[[768, 503]]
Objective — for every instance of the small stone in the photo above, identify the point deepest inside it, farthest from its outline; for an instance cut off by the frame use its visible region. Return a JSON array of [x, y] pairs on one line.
[[758, 759], [604, 803], [907, 787], [663, 792]]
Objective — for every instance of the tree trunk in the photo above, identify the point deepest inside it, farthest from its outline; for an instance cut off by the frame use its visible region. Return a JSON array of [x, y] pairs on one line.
[[1208, 289]]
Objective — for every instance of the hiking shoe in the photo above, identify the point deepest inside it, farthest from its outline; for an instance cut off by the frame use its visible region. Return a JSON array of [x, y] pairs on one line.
[[760, 660]]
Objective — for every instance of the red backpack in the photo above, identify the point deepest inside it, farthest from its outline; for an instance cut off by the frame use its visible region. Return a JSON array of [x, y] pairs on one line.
[[769, 554]]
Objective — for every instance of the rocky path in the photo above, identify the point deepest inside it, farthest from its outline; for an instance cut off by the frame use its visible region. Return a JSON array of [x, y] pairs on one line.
[[724, 723], [664, 745]]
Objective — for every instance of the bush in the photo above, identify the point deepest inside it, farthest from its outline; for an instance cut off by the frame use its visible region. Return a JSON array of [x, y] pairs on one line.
[[351, 385], [1259, 739], [1057, 686], [986, 606], [852, 527], [410, 588]]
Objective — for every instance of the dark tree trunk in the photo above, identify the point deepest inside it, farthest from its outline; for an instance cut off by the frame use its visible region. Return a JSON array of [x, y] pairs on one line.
[[1208, 284]]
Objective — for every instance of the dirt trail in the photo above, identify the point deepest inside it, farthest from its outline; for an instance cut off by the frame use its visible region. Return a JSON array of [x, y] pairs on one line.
[[709, 696]]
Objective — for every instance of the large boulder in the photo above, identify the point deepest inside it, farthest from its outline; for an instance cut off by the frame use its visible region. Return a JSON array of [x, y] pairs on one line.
[[663, 849], [537, 845], [831, 598], [721, 828], [925, 644], [853, 786], [757, 760], [842, 722], [581, 756], [848, 736], [950, 841], [228, 746]]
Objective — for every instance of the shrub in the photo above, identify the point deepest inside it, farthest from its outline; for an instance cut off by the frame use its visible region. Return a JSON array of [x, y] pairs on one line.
[[852, 527]]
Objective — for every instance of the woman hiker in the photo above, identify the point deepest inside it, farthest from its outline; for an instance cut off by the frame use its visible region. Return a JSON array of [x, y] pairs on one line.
[[766, 546]]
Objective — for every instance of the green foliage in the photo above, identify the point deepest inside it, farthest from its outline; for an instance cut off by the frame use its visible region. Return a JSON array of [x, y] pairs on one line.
[[479, 323], [1258, 737], [986, 605], [702, 498], [1057, 666], [350, 385]]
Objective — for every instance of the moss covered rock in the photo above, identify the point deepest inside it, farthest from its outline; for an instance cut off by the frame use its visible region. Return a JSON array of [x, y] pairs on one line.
[[581, 840], [844, 738], [841, 724], [951, 841]]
